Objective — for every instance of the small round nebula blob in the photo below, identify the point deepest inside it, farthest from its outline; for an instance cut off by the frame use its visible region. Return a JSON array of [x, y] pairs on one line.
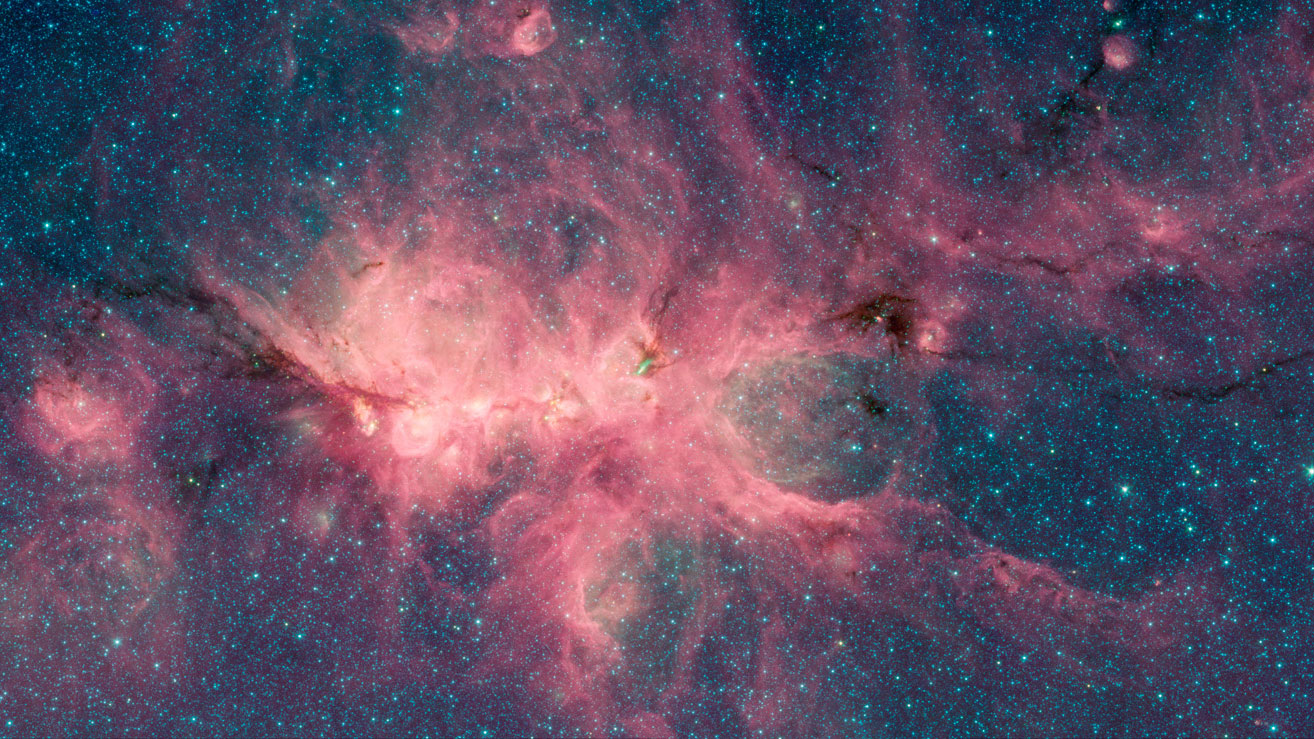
[[1120, 52]]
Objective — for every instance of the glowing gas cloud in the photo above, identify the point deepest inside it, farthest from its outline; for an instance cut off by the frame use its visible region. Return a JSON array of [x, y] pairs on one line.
[[658, 369]]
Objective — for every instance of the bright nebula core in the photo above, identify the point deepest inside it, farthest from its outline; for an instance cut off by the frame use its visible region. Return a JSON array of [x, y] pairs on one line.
[[641, 368]]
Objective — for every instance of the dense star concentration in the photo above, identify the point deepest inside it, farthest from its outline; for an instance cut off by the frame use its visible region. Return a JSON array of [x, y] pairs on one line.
[[644, 368]]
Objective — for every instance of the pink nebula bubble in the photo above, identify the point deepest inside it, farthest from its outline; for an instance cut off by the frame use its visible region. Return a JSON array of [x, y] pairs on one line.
[[1120, 52]]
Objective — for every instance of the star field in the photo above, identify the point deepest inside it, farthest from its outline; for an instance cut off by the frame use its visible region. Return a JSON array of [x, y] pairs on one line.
[[502, 368]]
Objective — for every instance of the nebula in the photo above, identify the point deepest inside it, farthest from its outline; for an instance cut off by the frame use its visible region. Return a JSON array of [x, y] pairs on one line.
[[653, 369]]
